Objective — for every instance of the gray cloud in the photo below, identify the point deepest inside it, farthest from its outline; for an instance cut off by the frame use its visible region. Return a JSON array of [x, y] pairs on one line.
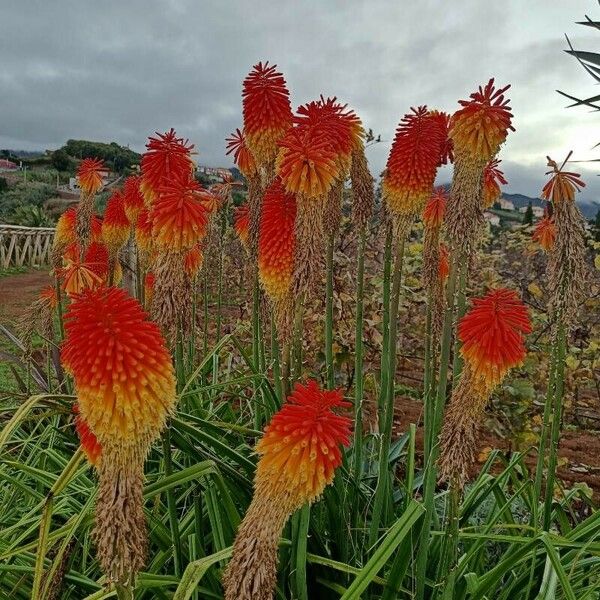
[[119, 71]]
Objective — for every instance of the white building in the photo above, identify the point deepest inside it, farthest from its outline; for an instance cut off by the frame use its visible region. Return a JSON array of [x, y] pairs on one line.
[[538, 211], [506, 204], [492, 219]]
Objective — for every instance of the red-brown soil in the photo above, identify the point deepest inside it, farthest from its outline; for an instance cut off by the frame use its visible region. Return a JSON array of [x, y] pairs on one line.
[[579, 451], [18, 291]]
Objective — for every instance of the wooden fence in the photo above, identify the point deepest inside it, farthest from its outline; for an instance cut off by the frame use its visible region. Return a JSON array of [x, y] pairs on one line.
[[25, 246]]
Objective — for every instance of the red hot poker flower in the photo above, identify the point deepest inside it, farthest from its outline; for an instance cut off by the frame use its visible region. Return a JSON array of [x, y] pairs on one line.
[[482, 124], [444, 264], [545, 233], [416, 153], [306, 165], [180, 215], [492, 334], [267, 111], [122, 370], [115, 226], [276, 242], [192, 261], [493, 178], [241, 223], [301, 446], [562, 184], [133, 200], [242, 156], [299, 453], [89, 175], [89, 442], [435, 209], [168, 157]]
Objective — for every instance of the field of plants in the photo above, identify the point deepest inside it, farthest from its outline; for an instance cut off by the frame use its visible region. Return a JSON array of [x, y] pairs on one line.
[[290, 398]]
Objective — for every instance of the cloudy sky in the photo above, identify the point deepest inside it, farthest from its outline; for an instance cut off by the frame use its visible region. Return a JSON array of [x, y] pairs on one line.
[[116, 70]]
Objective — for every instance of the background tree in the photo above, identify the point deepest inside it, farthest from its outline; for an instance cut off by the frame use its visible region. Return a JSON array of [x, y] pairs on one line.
[[60, 160], [528, 220]]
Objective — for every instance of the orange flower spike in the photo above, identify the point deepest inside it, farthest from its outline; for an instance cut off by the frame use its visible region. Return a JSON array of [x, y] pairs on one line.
[[65, 228], [89, 175], [78, 275], [435, 209], [241, 223], [48, 294], [267, 111], [493, 178], [276, 243], [179, 215], [299, 453], [545, 233], [122, 370], [115, 226], [563, 184], [167, 157], [492, 335], [300, 449], [306, 166], [242, 156], [149, 281], [133, 199], [192, 261], [480, 127], [444, 264], [416, 153], [125, 386], [89, 442], [443, 122], [143, 231], [327, 119]]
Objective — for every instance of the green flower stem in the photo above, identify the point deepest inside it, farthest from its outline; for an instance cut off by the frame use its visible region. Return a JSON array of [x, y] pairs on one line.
[[357, 465], [561, 344], [438, 411], [329, 317], [383, 481], [387, 270], [171, 503], [256, 343]]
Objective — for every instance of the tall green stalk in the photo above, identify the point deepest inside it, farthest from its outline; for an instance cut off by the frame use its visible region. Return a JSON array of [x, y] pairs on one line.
[[171, 503], [256, 343], [357, 463], [220, 273], [329, 317], [428, 378], [544, 435], [383, 481], [438, 411], [561, 344], [387, 271]]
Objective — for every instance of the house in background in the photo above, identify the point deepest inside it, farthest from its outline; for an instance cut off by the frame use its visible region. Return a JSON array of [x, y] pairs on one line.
[[8, 165], [215, 174], [538, 211], [492, 219], [506, 204]]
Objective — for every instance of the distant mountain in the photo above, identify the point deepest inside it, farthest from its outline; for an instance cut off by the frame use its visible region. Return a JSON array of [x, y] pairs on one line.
[[8, 153], [588, 209]]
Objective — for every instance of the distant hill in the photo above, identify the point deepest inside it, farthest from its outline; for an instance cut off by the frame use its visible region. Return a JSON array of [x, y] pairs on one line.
[[11, 154], [588, 209]]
